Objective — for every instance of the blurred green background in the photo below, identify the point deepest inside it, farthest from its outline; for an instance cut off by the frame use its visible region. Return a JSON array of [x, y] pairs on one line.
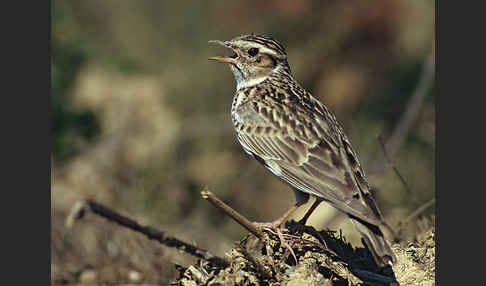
[[140, 120]]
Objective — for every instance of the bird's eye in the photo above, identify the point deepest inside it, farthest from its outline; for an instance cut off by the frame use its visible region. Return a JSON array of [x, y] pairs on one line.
[[253, 52]]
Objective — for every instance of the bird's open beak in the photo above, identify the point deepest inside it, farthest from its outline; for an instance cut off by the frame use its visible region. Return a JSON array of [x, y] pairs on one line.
[[223, 59]]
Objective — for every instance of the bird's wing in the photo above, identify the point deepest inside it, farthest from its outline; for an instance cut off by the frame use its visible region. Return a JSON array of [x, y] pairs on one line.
[[310, 153]]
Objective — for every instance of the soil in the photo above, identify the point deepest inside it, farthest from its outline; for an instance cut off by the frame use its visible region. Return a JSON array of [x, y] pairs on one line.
[[323, 258]]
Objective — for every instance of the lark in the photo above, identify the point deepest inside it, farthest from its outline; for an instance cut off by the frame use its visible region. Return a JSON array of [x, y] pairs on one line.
[[298, 139]]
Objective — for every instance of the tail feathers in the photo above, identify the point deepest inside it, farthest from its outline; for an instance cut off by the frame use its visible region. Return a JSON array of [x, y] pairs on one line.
[[375, 241]]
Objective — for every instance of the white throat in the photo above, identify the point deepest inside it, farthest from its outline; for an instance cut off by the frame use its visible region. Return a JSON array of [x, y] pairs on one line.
[[241, 82], [251, 82]]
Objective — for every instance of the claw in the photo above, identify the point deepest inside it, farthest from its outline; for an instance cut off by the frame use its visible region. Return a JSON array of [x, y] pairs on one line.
[[284, 244], [274, 227]]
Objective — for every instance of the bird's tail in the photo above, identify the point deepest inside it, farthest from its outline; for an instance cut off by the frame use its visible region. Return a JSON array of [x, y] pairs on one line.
[[375, 241]]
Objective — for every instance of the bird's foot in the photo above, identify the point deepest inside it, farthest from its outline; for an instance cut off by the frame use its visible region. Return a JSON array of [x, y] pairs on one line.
[[268, 225], [299, 227], [275, 228]]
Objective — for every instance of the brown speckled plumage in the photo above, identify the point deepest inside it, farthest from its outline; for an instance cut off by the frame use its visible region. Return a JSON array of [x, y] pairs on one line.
[[297, 138]]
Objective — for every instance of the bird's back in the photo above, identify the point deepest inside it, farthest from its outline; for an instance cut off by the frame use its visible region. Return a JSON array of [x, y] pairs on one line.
[[298, 139]]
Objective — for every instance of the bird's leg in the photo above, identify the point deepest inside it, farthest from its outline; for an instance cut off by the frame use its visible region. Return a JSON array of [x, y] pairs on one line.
[[279, 221], [304, 219], [301, 198]]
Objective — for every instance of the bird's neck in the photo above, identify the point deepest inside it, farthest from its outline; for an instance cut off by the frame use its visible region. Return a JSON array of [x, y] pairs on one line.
[[243, 82], [250, 82]]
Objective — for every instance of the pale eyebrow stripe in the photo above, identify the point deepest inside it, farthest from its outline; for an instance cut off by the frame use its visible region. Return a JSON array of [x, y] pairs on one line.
[[274, 44], [266, 50], [261, 47]]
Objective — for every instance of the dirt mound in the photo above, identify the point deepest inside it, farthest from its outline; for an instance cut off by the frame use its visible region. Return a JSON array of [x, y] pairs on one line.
[[323, 258]]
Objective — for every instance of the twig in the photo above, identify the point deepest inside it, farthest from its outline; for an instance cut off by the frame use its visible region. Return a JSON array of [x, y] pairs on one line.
[[390, 163], [413, 106], [199, 275], [411, 111], [207, 195], [79, 209], [416, 213]]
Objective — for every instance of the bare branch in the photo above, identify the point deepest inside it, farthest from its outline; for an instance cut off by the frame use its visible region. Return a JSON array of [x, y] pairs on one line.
[[411, 111], [207, 195], [390, 163], [79, 209], [416, 213]]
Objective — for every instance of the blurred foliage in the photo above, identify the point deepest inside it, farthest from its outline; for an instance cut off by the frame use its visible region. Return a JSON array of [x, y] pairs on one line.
[[70, 126], [140, 118]]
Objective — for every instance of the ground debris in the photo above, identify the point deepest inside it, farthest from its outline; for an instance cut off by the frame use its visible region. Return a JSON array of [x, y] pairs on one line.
[[324, 258], [416, 260]]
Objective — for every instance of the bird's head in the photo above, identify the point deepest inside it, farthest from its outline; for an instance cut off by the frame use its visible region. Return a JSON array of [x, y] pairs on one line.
[[254, 58]]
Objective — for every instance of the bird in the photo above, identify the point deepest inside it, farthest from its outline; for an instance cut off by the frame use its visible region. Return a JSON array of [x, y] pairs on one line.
[[298, 139]]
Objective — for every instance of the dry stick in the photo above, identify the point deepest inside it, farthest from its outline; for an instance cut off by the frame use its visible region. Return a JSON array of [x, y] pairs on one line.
[[411, 111], [405, 123], [243, 221], [389, 162], [151, 232], [416, 213], [199, 275], [207, 195]]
